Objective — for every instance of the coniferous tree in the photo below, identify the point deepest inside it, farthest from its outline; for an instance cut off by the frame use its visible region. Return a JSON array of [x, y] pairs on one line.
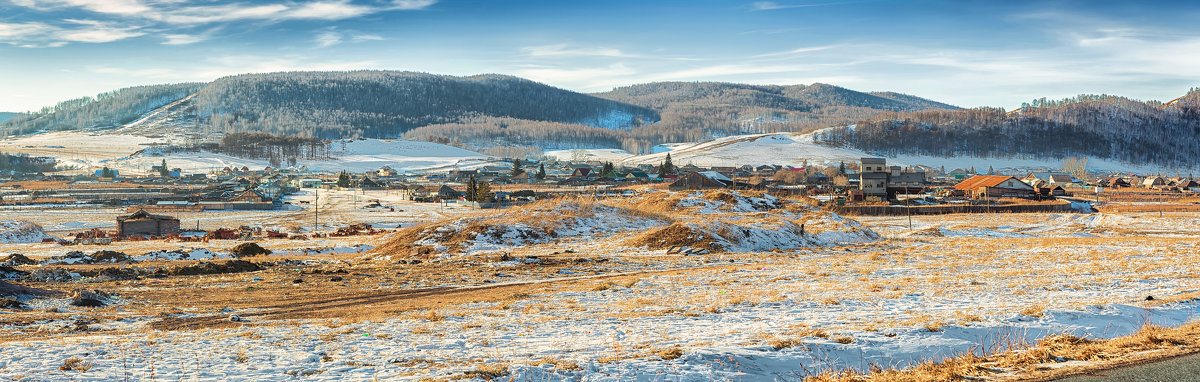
[[516, 167], [842, 168], [163, 171], [667, 168], [541, 174], [106, 172], [607, 169], [484, 193], [472, 193], [343, 180]]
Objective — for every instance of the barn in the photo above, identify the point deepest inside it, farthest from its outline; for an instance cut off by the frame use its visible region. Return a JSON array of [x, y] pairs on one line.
[[143, 223]]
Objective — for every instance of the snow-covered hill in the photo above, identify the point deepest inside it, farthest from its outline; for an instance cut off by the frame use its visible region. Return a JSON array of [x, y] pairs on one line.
[[796, 149]]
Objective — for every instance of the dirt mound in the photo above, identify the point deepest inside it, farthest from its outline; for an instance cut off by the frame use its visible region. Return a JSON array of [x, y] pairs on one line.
[[207, 268], [248, 250], [109, 257], [10, 273], [678, 235], [20, 231], [17, 259]]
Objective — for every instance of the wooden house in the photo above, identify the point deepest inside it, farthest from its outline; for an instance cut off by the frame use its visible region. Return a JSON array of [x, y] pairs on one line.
[[703, 180], [994, 186], [142, 223]]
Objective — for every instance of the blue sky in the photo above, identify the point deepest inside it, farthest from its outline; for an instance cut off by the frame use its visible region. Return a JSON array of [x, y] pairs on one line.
[[967, 53]]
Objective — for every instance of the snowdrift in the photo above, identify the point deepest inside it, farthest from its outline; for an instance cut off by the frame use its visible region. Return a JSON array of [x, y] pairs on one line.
[[20, 232]]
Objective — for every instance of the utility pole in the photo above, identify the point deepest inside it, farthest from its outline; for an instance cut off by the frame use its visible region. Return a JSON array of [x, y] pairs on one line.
[[316, 207]]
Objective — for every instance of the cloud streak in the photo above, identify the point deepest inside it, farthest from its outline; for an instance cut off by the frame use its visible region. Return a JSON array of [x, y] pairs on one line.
[[143, 16]]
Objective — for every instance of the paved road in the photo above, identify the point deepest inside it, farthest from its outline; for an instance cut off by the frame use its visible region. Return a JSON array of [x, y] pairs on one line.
[[1186, 368]]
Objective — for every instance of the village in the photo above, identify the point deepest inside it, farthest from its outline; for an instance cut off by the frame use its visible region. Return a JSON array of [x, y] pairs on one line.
[[490, 272], [867, 187]]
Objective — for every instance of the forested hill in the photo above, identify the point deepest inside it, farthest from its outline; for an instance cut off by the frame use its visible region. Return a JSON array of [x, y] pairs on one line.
[[337, 104], [1100, 126], [4, 116], [108, 109]]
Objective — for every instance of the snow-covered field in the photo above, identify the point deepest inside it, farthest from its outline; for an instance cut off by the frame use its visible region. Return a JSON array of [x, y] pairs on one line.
[[124, 152], [587, 303]]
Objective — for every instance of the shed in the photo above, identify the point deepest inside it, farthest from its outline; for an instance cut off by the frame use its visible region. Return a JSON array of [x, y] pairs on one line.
[[143, 223]]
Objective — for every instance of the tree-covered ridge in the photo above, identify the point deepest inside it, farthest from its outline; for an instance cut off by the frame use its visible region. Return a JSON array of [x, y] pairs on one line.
[[387, 103], [1102, 126], [338, 104], [696, 110], [4, 115], [804, 98], [108, 109]]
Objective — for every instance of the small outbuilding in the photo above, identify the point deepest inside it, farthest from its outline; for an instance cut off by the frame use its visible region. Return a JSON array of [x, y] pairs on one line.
[[144, 223]]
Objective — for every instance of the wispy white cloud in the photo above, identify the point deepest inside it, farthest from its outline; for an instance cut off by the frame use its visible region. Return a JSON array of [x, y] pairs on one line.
[[565, 50], [771, 5], [796, 51], [332, 36], [35, 35], [162, 16]]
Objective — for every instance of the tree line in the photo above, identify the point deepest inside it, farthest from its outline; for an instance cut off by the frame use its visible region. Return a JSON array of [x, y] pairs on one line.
[[1101, 126]]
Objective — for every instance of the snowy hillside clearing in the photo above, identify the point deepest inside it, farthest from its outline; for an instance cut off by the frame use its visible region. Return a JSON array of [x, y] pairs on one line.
[[796, 149]]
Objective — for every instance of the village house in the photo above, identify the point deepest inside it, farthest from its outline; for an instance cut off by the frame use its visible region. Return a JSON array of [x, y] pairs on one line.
[[1154, 182], [143, 223], [386, 171], [250, 196], [873, 178], [994, 186], [702, 180], [447, 193]]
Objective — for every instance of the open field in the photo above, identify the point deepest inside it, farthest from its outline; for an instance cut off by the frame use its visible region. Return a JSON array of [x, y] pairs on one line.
[[582, 289]]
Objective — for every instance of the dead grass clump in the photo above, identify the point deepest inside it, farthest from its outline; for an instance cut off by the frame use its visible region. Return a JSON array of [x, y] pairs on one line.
[[780, 344], [1034, 311], [668, 353], [844, 340], [76, 364], [559, 363], [486, 372], [428, 315]]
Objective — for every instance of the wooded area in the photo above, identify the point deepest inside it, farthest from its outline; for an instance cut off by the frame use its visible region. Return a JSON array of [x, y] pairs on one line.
[[1100, 126]]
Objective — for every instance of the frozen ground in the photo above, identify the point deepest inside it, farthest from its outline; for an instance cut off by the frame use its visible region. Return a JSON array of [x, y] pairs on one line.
[[947, 285]]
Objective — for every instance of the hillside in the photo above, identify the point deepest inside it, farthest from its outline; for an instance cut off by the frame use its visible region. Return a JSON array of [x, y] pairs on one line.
[[4, 116], [741, 108], [331, 105], [1097, 126]]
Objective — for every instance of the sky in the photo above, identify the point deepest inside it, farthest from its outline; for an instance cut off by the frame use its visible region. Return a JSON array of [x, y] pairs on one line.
[[961, 52]]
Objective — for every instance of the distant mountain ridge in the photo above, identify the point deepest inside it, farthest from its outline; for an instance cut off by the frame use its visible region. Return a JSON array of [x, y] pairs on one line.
[[335, 104], [4, 116], [476, 112], [802, 98]]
